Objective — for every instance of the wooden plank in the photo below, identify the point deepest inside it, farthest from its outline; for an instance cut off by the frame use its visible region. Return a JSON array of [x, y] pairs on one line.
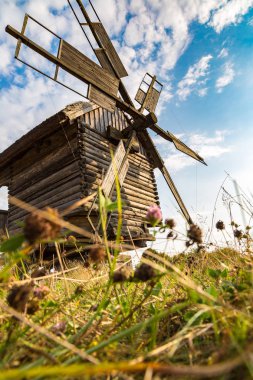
[[152, 100], [88, 69], [116, 167], [101, 99], [103, 60], [140, 96], [110, 50], [106, 160]]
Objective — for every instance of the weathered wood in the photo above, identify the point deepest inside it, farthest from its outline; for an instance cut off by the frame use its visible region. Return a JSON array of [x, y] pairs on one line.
[[104, 159], [56, 202], [100, 98], [110, 51], [67, 173], [44, 147], [88, 70], [53, 190], [34, 176]]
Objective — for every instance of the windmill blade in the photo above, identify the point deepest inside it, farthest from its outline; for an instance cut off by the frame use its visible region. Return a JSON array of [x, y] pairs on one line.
[[179, 145], [148, 93], [158, 162], [105, 53]]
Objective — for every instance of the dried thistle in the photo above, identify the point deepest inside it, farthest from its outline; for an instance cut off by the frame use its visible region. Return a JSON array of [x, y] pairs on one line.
[[38, 228], [79, 289], [121, 275], [220, 225], [170, 223], [194, 234], [97, 255], [19, 295], [32, 306], [238, 234], [144, 272]]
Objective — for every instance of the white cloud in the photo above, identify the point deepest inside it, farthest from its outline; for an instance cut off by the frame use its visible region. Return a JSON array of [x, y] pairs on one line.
[[223, 53], [195, 76], [226, 78], [161, 26], [202, 91], [208, 147], [230, 13]]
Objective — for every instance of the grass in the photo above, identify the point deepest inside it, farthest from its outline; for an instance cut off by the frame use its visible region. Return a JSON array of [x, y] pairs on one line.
[[184, 317]]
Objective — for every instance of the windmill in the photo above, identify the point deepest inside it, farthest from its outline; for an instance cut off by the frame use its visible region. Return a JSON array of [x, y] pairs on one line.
[[106, 89]]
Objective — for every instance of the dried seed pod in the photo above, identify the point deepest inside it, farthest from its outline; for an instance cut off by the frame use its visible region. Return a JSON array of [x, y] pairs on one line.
[[194, 234], [220, 225], [32, 306], [38, 228], [79, 289], [144, 272], [238, 234], [121, 275], [19, 295], [170, 223], [97, 255]]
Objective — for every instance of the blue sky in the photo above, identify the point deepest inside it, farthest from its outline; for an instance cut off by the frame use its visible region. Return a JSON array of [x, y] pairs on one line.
[[203, 53]]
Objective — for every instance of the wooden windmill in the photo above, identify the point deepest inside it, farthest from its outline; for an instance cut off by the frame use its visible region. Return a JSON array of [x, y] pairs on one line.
[[106, 90]]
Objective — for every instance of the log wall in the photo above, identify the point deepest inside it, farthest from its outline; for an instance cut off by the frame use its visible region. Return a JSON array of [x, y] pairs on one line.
[[47, 174], [70, 163]]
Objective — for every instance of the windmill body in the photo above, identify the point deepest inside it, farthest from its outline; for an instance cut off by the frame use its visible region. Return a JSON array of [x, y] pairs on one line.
[[66, 158], [117, 124]]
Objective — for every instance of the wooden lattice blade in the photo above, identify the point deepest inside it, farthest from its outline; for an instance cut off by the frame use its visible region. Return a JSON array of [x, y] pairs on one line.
[[104, 85], [107, 56], [182, 147]]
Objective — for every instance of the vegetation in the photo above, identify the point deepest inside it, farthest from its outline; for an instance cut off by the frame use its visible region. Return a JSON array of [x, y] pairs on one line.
[[184, 317]]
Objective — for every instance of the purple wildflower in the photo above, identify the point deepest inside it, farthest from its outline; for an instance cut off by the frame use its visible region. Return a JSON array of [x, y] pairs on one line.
[[154, 215]]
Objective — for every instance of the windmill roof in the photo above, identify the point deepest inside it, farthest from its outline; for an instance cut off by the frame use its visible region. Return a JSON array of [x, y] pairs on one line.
[[24, 143]]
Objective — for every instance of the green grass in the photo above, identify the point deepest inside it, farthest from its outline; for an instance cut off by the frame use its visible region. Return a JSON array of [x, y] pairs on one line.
[[198, 312], [191, 317]]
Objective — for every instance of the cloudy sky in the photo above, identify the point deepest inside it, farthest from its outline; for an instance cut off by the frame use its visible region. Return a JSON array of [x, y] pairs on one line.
[[201, 50]]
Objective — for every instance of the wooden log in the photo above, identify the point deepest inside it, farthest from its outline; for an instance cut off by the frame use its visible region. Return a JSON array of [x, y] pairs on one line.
[[50, 180], [136, 184], [21, 182], [98, 148], [93, 137], [52, 190], [105, 162], [54, 202], [43, 151], [42, 166]]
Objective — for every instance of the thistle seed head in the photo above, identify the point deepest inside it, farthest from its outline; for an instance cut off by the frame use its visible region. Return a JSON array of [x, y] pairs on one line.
[[170, 223], [194, 234], [19, 295], [97, 255], [38, 228], [220, 225], [144, 272]]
